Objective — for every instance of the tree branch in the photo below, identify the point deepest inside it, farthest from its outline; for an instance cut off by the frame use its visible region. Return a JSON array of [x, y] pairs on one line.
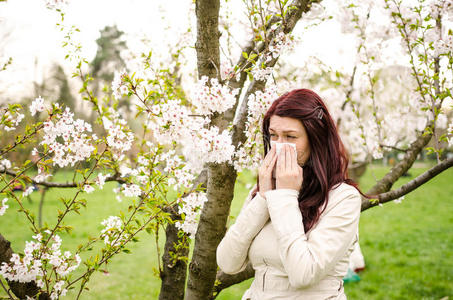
[[415, 183], [251, 47], [115, 177], [385, 184], [241, 112], [393, 148], [226, 280]]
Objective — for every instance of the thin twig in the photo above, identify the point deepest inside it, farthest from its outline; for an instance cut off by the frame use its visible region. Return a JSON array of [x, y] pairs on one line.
[[6, 290], [393, 147]]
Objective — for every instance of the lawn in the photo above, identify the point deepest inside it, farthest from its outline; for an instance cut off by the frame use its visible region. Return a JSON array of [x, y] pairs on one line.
[[408, 247]]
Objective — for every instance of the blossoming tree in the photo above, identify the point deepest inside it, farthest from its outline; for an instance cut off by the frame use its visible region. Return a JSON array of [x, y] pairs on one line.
[[196, 139]]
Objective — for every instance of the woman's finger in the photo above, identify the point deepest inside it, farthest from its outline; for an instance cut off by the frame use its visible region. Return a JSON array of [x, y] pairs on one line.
[[294, 163], [269, 157], [272, 164], [288, 159]]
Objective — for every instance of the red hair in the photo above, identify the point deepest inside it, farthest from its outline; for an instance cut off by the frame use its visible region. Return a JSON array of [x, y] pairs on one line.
[[327, 165]]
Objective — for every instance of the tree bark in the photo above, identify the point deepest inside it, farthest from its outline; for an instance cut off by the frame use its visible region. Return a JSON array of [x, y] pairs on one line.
[[225, 280], [207, 45], [21, 290], [211, 229], [174, 271], [174, 274]]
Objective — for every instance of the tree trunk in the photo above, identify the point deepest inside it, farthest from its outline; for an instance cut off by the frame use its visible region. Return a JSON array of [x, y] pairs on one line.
[[221, 178], [211, 229], [21, 290], [207, 45], [174, 271]]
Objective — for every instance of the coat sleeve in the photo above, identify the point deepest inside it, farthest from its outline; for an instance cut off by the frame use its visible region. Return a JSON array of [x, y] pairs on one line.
[[232, 250], [307, 260]]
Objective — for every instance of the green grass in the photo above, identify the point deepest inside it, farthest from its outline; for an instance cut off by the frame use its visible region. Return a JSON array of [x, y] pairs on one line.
[[408, 247]]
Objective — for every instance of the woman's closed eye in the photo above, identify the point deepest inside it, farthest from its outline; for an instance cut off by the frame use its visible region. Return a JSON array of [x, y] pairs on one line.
[[275, 136]]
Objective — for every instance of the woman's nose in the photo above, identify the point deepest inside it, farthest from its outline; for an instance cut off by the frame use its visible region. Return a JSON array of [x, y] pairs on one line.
[[281, 139]]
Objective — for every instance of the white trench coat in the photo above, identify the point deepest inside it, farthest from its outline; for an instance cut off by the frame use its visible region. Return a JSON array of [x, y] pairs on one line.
[[290, 263]]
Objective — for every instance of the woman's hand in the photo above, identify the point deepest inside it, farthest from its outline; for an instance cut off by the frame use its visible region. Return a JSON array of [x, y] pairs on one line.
[[289, 175], [265, 172]]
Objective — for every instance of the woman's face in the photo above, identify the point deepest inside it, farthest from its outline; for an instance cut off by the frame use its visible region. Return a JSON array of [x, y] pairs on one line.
[[290, 130]]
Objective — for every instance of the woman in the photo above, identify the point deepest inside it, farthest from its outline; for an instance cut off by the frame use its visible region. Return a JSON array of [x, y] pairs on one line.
[[300, 227]]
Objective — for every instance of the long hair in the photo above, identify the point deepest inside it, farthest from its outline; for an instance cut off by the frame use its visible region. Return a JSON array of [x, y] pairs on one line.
[[327, 164]]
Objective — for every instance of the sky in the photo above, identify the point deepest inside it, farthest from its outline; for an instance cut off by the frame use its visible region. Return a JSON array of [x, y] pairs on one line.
[[28, 34]]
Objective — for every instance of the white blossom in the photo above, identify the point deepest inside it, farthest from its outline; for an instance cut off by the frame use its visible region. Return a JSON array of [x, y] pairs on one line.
[[248, 155], [208, 145], [5, 164], [226, 71], [58, 286], [28, 191], [88, 188], [29, 267], [4, 207], [118, 85], [280, 44], [119, 137], [40, 283], [37, 106], [450, 131], [111, 232], [41, 176], [131, 190], [261, 74], [189, 207], [399, 200], [100, 180], [210, 96], [67, 139], [56, 4], [14, 118]]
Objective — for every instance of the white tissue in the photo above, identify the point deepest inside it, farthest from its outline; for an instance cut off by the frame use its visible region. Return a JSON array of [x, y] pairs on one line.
[[280, 145]]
